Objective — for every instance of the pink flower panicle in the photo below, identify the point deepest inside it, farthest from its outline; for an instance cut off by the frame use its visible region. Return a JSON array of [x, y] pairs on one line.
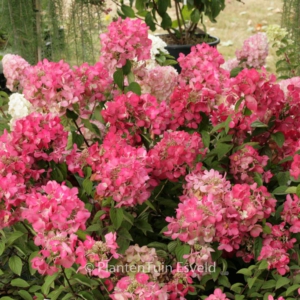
[[217, 295], [124, 40], [254, 51], [14, 67], [52, 86], [174, 153]]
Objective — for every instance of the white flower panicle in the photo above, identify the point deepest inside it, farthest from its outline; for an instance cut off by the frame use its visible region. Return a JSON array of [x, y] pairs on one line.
[[18, 107]]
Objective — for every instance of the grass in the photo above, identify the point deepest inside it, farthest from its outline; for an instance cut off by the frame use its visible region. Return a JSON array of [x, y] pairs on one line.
[[239, 21]]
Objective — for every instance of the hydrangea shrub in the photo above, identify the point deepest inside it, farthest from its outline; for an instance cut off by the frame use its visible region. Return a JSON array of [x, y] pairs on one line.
[[126, 180]]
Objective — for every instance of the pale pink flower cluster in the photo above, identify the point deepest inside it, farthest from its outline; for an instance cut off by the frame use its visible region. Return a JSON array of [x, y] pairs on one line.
[[139, 288], [254, 51], [124, 40], [176, 151], [159, 82], [246, 162], [225, 215], [13, 70]]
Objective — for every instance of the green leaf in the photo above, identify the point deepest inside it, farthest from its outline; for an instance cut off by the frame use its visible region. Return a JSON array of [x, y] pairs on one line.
[[135, 88], [181, 250], [235, 71], [223, 280], [48, 282], [149, 21], [125, 234], [56, 293], [86, 295], [223, 149], [87, 186], [278, 138], [195, 15], [270, 284], [158, 245], [6, 298], [2, 247], [127, 68], [237, 287], [258, 179], [205, 138], [116, 216], [77, 139], [72, 115], [143, 225], [119, 78], [83, 279], [90, 126], [258, 124], [263, 265], [13, 237], [257, 246], [162, 6], [282, 281], [291, 190], [251, 281], [98, 215], [128, 11], [281, 190], [245, 272], [25, 295], [283, 177], [19, 283], [15, 264], [172, 245], [292, 289], [239, 297], [94, 227], [166, 22]]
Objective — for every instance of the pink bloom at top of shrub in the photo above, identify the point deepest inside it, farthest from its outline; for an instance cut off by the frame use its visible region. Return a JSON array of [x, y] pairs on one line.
[[159, 82], [52, 86], [254, 51], [13, 70], [96, 82], [124, 39], [217, 295], [230, 64], [176, 151]]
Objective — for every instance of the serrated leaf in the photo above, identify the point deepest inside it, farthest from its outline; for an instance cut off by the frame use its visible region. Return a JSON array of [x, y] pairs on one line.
[[119, 78], [149, 21], [2, 247], [181, 250], [282, 281], [235, 71], [278, 138], [48, 282], [258, 124], [19, 283], [13, 237], [127, 68], [245, 272], [292, 289], [87, 186], [15, 264], [172, 245], [251, 281], [77, 139], [25, 295], [71, 115], [135, 88], [195, 16], [166, 22], [116, 216], [128, 11]]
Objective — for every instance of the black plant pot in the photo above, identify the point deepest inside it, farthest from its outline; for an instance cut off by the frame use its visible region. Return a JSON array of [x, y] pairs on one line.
[[175, 50]]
